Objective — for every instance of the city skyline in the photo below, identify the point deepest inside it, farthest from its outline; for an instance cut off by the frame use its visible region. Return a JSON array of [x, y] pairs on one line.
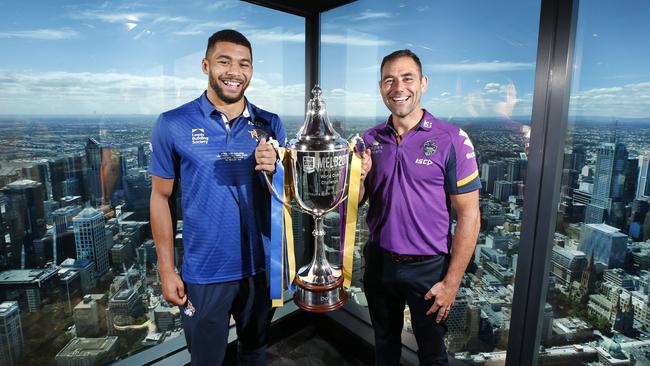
[[107, 57]]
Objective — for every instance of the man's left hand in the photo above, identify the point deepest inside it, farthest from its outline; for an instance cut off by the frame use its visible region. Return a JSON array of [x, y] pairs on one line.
[[444, 295]]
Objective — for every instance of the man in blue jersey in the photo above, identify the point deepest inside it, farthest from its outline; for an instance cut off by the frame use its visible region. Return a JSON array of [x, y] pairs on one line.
[[422, 167], [208, 146]]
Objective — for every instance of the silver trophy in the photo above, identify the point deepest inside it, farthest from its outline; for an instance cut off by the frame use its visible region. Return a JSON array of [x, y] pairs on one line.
[[319, 160]]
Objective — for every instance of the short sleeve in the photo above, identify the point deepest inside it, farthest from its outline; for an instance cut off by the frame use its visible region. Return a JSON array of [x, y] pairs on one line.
[[163, 157], [462, 169], [279, 132]]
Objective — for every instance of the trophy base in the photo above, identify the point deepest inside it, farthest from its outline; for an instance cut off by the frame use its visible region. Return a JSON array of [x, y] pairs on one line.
[[320, 299]]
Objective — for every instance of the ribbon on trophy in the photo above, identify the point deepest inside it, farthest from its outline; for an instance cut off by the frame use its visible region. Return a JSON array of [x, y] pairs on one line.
[[283, 264], [351, 211]]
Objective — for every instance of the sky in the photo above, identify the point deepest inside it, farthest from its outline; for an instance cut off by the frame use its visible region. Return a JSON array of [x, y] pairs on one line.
[[130, 57]]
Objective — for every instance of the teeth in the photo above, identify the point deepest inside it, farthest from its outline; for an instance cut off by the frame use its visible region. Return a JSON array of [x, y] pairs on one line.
[[232, 83], [401, 99]]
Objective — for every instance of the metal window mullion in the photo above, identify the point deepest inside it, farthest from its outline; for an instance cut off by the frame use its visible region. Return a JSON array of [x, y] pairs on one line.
[[549, 121]]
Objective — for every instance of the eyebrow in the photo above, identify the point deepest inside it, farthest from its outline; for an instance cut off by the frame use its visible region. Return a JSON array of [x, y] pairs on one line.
[[393, 76]]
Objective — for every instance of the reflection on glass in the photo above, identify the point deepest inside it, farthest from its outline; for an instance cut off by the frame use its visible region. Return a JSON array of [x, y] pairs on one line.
[[78, 272], [598, 295], [486, 90]]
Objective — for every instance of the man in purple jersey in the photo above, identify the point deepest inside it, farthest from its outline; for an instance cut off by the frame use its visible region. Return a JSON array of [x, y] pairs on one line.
[[421, 168]]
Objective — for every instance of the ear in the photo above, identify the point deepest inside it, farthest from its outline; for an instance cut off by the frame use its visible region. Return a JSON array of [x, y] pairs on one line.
[[425, 83], [205, 66]]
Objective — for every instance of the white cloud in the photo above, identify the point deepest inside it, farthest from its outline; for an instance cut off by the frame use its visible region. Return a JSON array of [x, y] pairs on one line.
[[111, 17], [368, 14], [44, 34], [357, 40], [207, 27], [493, 66], [122, 93], [630, 100]]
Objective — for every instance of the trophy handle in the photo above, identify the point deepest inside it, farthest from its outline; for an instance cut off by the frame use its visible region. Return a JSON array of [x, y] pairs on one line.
[[359, 148], [273, 191]]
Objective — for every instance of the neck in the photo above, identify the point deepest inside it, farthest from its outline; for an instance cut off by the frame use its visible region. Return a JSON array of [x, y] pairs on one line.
[[404, 124], [231, 110]]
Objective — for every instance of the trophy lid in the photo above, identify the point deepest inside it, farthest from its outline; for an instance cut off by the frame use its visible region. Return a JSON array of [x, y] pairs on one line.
[[317, 133]]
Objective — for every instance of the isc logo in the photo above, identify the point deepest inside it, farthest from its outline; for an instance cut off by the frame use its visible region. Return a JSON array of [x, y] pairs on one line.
[[423, 161]]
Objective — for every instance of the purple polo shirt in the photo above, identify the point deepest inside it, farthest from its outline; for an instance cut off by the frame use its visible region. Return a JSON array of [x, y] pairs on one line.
[[409, 185]]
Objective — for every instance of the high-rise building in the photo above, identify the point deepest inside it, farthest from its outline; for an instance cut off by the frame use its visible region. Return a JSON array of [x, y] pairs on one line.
[[567, 265], [457, 334], [491, 172], [25, 218], [502, 190], [11, 334], [67, 177], [643, 184], [607, 244], [611, 160], [143, 160], [93, 170], [91, 240], [87, 351]]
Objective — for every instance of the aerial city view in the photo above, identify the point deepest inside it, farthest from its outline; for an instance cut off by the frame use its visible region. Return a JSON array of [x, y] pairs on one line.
[[84, 82], [78, 260]]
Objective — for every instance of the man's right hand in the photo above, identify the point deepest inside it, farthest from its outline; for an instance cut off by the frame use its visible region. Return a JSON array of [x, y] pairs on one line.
[[265, 157], [173, 288]]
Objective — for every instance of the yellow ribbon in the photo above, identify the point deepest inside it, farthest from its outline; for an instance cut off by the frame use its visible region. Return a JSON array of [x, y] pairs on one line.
[[288, 222], [351, 217]]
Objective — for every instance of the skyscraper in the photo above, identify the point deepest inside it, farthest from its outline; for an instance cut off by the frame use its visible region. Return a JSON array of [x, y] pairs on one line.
[[25, 219], [607, 244], [643, 184], [91, 240], [611, 159], [66, 177], [93, 168], [11, 334]]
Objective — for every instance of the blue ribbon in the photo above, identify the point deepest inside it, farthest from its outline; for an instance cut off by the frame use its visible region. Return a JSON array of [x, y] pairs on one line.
[[276, 257]]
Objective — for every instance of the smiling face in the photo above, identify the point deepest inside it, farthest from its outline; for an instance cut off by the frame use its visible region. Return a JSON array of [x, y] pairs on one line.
[[401, 86], [229, 68]]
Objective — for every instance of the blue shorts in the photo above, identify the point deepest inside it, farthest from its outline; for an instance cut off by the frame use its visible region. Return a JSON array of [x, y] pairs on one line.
[[206, 331]]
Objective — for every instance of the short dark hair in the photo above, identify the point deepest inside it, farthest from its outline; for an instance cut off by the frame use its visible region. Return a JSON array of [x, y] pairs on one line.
[[401, 53], [228, 35]]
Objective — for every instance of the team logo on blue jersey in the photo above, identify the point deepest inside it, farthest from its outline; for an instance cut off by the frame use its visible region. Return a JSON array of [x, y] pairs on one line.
[[429, 148], [427, 124]]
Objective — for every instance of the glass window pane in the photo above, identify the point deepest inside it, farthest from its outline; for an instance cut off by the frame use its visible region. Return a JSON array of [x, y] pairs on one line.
[[80, 88], [597, 302], [480, 60]]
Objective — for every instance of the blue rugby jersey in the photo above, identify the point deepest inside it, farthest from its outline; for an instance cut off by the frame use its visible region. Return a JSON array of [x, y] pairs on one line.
[[226, 207]]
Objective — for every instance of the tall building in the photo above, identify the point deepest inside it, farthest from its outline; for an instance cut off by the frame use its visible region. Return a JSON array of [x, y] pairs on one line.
[[38, 173], [643, 184], [11, 334], [502, 190], [609, 179], [567, 265], [143, 160], [87, 351], [25, 218], [607, 244], [66, 177], [93, 170], [91, 240], [491, 172]]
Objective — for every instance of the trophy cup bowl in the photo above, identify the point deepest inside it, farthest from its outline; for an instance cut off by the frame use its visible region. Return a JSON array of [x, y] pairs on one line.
[[319, 164]]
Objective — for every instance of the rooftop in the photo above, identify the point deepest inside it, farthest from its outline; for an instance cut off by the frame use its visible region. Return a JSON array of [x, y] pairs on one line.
[[80, 347], [26, 276]]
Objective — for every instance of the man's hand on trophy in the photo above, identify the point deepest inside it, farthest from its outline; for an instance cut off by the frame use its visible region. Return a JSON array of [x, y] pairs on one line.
[[366, 164], [265, 156]]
